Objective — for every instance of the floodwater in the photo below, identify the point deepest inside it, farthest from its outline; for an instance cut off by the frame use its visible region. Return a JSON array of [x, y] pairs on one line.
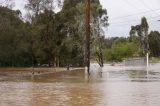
[[104, 87]]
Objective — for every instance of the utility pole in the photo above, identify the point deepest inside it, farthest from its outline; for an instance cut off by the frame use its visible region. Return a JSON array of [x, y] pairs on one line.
[[88, 36]]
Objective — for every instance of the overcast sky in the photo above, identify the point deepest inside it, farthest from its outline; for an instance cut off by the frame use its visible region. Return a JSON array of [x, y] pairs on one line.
[[123, 14]]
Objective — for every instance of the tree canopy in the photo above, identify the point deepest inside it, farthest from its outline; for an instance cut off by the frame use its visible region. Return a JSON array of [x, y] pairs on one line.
[[54, 39]]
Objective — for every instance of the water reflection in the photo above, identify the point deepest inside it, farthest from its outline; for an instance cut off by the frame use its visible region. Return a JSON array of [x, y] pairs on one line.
[[104, 87]]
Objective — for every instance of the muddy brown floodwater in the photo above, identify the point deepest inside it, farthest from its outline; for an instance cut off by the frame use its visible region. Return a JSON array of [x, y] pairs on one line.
[[74, 88]]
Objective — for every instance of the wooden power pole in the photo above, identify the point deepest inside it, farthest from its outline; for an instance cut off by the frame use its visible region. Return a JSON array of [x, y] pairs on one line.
[[88, 35]]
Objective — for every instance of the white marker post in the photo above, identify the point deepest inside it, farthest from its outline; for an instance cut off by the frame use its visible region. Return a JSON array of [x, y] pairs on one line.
[[147, 62]]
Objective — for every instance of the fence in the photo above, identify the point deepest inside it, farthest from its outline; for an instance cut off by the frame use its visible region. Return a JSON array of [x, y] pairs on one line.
[[135, 62]]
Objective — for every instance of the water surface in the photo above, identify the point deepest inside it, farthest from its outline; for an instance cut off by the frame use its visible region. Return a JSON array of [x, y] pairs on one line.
[[106, 87]]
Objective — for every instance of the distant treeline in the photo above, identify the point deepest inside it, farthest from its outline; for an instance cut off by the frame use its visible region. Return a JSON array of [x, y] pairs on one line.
[[119, 48]]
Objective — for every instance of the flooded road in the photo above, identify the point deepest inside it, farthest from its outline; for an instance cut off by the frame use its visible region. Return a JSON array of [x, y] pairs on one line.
[[113, 86]]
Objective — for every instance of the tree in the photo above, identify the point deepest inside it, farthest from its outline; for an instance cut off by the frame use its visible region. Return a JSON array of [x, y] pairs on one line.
[[154, 42], [99, 21], [48, 37], [120, 50], [12, 52], [34, 7], [74, 25], [142, 32], [8, 3], [72, 15]]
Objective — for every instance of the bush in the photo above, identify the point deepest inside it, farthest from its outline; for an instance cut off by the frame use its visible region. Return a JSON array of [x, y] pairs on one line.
[[120, 50]]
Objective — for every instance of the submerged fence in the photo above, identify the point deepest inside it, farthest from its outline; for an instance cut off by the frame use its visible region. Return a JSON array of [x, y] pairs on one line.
[[135, 61]]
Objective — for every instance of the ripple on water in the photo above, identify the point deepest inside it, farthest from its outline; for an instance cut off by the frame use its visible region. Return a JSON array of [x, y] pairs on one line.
[[109, 88]]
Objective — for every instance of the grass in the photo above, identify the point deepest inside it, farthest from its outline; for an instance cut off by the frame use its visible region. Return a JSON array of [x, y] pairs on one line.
[[154, 59]]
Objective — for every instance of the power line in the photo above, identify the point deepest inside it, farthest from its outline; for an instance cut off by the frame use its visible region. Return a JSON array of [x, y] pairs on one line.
[[149, 11], [142, 2], [146, 5], [133, 20], [120, 25], [129, 3]]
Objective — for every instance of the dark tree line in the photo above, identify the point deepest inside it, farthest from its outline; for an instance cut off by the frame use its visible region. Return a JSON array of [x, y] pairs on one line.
[[154, 43], [47, 38]]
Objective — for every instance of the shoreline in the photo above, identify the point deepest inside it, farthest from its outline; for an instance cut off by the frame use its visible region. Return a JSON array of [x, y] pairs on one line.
[[16, 71]]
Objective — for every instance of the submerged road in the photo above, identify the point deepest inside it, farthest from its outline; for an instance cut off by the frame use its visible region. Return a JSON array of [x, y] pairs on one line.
[[110, 86]]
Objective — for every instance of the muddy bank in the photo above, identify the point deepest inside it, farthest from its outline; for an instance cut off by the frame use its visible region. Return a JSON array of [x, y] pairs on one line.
[[33, 71]]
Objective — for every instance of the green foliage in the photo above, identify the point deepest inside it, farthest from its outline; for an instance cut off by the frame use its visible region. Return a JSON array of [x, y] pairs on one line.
[[140, 33], [154, 43], [58, 39], [48, 38], [12, 52], [120, 50], [154, 59]]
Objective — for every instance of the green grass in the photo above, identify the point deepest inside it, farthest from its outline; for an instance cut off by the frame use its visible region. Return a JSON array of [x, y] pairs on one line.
[[154, 59]]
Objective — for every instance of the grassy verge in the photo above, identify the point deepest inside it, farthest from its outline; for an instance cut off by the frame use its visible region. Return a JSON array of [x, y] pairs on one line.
[[154, 59]]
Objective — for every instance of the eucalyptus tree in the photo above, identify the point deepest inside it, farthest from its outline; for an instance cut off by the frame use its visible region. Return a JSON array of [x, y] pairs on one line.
[[12, 50], [73, 19], [74, 22], [42, 18], [142, 32], [154, 43], [8, 3], [133, 35], [49, 39], [34, 7], [99, 23]]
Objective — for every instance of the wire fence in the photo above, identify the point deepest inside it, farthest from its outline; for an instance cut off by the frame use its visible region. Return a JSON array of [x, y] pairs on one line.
[[141, 61]]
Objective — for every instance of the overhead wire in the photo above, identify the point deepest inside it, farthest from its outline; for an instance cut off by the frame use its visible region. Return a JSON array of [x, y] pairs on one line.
[[138, 13], [121, 22], [148, 11], [131, 24], [152, 19], [146, 5], [142, 2], [131, 4]]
